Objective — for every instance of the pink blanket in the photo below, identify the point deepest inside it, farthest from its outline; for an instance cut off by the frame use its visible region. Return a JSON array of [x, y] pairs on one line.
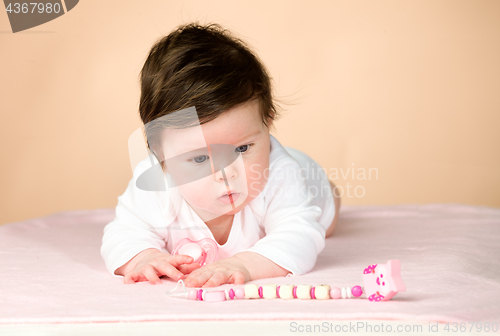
[[52, 271]]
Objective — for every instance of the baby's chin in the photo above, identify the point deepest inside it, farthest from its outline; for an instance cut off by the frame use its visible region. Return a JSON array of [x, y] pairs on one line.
[[235, 211], [227, 209]]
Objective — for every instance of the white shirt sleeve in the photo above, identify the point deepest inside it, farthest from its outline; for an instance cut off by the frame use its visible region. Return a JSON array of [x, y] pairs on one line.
[[132, 230], [294, 238]]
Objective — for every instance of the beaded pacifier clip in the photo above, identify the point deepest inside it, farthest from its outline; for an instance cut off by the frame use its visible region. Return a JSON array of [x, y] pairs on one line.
[[381, 282]]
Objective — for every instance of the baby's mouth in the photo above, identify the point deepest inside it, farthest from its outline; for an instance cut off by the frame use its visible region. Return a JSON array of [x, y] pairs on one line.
[[229, 198], [230, 192]]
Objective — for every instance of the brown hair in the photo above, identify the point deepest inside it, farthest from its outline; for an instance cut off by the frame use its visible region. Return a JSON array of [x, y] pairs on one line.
[[202, 66]]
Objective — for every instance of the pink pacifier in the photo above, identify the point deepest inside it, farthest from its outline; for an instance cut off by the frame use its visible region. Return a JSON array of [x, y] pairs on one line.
[[203, 251]]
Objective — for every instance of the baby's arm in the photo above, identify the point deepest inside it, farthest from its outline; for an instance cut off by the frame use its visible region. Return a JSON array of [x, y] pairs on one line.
[[132, 245], [133, 248], [260, 267]]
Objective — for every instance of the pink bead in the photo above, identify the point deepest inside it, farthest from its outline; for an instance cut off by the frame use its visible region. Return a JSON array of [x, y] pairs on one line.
[[260, 292], [356, 291], [200, 294], [215, 296], [278, 292], [312, 293], [335, 293], [294, 292], [239, 292], [192, 294], [231, 294]]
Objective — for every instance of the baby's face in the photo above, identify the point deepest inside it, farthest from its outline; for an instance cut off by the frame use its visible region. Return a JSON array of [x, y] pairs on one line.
[[238, 142]]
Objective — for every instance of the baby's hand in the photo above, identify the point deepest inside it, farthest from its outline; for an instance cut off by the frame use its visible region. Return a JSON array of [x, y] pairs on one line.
[[230, 270], [152, 263]]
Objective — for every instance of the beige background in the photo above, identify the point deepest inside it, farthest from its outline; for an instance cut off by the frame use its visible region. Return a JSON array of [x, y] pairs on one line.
[[408, 88]]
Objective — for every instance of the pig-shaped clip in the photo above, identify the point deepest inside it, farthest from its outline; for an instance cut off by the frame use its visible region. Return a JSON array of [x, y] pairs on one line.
[[203, 251], [381, 282]]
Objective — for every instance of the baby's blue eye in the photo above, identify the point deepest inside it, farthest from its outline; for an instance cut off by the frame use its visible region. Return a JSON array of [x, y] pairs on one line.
[[203, 158], [243, 149]]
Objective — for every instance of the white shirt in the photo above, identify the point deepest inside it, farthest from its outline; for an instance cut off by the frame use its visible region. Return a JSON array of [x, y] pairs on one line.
[[285, 223]]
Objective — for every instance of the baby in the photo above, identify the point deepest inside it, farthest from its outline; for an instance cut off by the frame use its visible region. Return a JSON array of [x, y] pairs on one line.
[[207, 110]]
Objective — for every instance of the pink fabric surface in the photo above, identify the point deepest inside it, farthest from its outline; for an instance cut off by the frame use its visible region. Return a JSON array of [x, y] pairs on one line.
[[52, 271]]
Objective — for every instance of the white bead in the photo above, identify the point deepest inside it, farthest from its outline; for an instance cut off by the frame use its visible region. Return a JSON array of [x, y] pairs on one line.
[[343, 293], [251, 291], [349, 293], [322, 292], [269, 291], [226, 292], [304, 292], [286, 292]]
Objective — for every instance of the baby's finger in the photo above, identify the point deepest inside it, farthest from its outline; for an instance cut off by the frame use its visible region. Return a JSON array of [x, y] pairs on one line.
[[190, 279], [216, 279], [164, 268], [237, 278], [198, 278], [188, 268], [131, 278], [150, 274], [179, 259]]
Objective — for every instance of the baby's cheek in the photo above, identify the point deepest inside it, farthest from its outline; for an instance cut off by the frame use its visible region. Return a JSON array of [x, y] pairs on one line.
[[195, 193], [256, 181]]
